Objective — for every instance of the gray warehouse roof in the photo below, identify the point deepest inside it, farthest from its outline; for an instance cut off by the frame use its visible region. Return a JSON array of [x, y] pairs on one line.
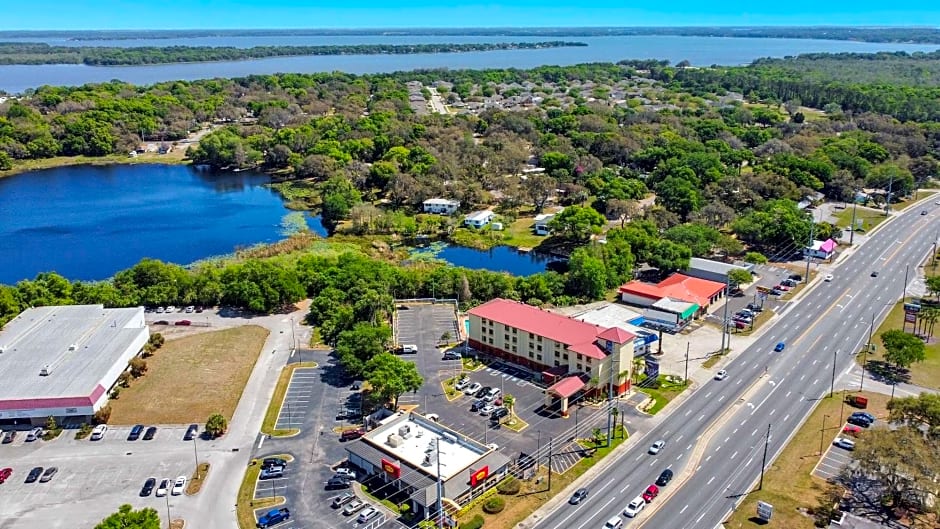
[[65, 351], [716, 267]]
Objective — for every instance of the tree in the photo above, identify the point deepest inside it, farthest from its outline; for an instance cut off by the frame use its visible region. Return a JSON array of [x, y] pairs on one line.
[[577, 223], [390, 376], [216, 425], [679, 196], [739, 277], [755, 258], [903, 349], [587, 275], [127, 518], [509, 402], [622, 209], [922, 410], [539, 188], [339, 196], [933, 285], [668, 257], [357, 346], [902, 461]]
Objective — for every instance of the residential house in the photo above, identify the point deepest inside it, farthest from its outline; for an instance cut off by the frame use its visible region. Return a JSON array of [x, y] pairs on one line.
[[478, 219], [442, 206], [821, 249]]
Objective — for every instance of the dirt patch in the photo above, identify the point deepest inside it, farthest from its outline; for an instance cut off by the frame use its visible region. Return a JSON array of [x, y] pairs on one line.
[[190, 378]]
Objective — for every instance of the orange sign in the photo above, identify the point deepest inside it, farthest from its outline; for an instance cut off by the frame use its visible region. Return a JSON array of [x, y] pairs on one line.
[[391, 468], [479, 476]]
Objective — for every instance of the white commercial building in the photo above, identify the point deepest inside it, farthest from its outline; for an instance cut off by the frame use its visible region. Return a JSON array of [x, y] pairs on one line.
[[61, 361]]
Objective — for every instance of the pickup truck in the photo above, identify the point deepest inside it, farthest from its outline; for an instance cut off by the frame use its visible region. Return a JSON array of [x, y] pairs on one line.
[[273, 517]]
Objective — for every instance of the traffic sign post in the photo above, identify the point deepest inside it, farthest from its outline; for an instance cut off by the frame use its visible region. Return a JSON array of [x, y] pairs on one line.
[[765, 511]]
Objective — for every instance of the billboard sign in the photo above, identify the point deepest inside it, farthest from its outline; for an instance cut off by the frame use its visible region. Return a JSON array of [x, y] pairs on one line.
[[479, 476], [910, 317], [652, 367], [391, 468]]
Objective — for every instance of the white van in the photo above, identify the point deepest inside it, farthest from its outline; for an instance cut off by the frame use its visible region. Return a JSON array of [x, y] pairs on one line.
[[409, 349], [98, 433], [614, 523]]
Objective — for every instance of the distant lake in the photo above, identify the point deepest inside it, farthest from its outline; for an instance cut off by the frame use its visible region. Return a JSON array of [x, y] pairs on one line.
[[88, 222], [701, 51], [496, 259]]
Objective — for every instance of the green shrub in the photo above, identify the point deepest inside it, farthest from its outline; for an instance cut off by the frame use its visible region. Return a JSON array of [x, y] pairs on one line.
[[83, 432], [494, 505], [509, 486], [475, 523]]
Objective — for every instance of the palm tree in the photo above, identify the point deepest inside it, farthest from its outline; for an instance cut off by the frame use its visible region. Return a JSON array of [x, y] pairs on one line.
[[930, 316], [639, 362], [509, 401]]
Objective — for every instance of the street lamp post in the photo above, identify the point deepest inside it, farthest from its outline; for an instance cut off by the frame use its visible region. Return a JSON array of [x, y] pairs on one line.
[[832, 384], [842, 407], [169, 522], [576, 410], [196, 456], [871, 331], [822, 433]]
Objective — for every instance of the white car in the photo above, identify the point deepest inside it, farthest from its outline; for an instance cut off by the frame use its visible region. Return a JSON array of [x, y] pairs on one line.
[[343, 471], [178, 486], [98, 433], [462, 383], [828, 278], [845, 443], [721, 375], [634, 507], [35, 433], [163, 487], [190, 309], [488, 409], [353, 507], [473, 388], [368, 514], [614, 523], [656, 447], [170, 309]]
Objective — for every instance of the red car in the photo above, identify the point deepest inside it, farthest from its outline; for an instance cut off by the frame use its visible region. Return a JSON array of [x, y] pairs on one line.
[[651, 492], [852, 429], [351, 435], [183, 322], [5, 473]]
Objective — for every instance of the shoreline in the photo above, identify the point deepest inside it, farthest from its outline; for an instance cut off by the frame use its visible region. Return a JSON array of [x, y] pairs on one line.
[[27, 166]]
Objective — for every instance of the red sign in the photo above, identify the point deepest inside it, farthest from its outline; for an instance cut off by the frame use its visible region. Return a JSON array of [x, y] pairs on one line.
[[479, 476], [391, 468]]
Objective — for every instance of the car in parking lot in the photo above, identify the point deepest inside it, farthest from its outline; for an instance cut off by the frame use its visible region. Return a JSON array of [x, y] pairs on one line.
[[789, 282], [347, 472], [451, 355], [657, 446], [135, 432], [273, 462], [148, 487], [271, 473], [487, 409], [776, 292], [191, 432], [354, 506], [780, 346], [851, 429], [477, 404], [183, 323], [721, 374], [150, 433], [844, 443], [163, 488], [634, 507], [481, 393], [462, 383], [499, 413], [858, 420], [98, 433], [782, 287], [473, 388], [578, 496], [5, 474], [178, 486], [492, 394], [190, 309], [867, 416], [342, 499], [650, 493], [337, 483], [160, 310], [367, 514], [754, 307], [9, 437], [351, 435], [664, 478], [34, 434], [33, 475], [48, 474]]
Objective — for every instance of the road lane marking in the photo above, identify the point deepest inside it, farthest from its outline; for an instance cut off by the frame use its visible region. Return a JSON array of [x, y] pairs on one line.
[[710, 480], [625, 488], [684, 508], [734, 455]]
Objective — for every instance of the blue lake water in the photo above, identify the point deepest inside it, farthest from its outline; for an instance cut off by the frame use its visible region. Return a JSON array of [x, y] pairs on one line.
[[701, 51], [498, 259], [89, 222]]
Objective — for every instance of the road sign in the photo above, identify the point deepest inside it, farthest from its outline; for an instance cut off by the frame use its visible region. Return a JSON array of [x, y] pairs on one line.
[[910, 317], [911, 308], [765, 511]]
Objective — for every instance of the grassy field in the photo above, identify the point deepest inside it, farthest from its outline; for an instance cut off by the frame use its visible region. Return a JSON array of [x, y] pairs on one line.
[[926, 373], [663, 395], [869, 217], [788, 484], [532, 496], [190, 378], [274, 407]]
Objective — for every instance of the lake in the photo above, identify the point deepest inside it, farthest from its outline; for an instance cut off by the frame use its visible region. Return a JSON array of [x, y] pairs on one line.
[[88, 222], [497, 259], [702, 51]]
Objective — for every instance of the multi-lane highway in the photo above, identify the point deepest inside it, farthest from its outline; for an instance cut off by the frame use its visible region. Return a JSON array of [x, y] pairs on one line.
[[715, 439]]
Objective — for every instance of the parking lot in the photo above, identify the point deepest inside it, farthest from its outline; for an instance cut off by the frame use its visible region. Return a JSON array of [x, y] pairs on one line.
[[93, 478], [298, 398], [833, 460], [424, 325]]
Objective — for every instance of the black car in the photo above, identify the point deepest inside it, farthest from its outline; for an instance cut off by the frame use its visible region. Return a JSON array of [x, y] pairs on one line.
[[499, 413], [450, 355], [795, 277], [483, 391], [135, 432], [337, 483], [152, 431], [578, 496], [33, 475], [478, 404], [148, 487], [664, 478], [858, 420], [269, 462], [874, 273], [191, 432], [754, 307]]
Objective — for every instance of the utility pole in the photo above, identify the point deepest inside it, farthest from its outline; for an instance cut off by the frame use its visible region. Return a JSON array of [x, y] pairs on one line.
[[687, 344], [440, 488], [764, 462], [842, 407], [169, 521], [809, 254], [888, 201], [871, 330], [610, 393], [822, 434], [852, 226], [907, 269], [832, 384], [196, 455], [549, 463], [724, 319]]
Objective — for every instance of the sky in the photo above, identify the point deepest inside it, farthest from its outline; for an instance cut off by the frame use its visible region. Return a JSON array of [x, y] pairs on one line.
[[270, 14]]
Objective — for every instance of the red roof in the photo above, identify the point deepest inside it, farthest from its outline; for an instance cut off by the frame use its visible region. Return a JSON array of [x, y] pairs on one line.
[[677, 286], [579, 336], [616, 335], [53, 402], [567, 386]]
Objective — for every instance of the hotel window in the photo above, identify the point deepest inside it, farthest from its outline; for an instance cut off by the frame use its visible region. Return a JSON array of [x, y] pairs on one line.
[[538, 357], [505, 327], [539, 348], [579, 367], [513, 339], [505, 337], [514, 348], [588, 359], [565, 356], [556, 354], [557, 363], [514, 330], [531, 355], [540, 339], [531, 336], [587, 369], [579, 356]]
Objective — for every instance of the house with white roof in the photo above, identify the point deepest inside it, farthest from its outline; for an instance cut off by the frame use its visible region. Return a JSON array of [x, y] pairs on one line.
[[478, 219], [441, 206]]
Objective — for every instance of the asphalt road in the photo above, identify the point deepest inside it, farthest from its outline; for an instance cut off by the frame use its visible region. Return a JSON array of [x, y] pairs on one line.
[[715, 440]]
